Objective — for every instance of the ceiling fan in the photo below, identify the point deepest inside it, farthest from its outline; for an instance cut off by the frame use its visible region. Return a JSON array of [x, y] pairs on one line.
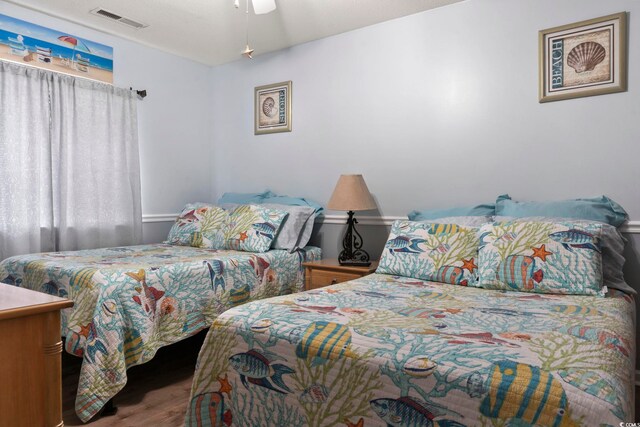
[[260, 7]]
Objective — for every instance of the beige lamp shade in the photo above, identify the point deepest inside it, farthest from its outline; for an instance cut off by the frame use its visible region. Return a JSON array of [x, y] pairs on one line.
[[351, 194]]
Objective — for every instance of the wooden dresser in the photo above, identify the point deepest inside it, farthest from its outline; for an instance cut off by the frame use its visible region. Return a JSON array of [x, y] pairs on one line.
[[30, 366], [329, 272]]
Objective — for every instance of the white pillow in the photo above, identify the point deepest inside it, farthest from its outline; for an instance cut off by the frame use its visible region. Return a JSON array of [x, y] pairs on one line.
[[305, 236], [293, 227]]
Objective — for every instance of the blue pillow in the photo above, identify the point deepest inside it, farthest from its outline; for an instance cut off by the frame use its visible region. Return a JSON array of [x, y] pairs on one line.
[[427, 215], [245, 198], [601, 209], [292, 201]]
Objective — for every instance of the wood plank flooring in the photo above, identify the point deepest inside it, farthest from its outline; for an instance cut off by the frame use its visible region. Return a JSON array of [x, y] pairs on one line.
[[156, 393]]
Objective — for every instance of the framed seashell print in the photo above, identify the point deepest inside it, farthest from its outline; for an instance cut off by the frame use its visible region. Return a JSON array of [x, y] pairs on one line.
[[273, 108], [584, 59]]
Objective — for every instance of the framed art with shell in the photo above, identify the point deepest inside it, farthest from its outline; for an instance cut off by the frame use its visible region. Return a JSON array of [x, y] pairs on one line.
[[584, 58], [273, 108]]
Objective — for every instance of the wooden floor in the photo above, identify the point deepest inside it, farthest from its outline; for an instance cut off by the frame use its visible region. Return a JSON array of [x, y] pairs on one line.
[[156, 393]]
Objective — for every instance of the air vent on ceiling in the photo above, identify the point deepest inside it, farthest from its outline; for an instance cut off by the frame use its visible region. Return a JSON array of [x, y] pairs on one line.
[[121, 19]]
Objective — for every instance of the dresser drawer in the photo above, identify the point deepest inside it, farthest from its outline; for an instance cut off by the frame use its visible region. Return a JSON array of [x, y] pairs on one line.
[[321, 278]]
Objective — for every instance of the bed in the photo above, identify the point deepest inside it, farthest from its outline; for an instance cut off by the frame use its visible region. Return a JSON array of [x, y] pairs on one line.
[[130, 301], [386, 350]]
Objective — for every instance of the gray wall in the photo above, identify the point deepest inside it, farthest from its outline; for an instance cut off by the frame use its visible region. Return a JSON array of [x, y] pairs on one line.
[[175, 146]]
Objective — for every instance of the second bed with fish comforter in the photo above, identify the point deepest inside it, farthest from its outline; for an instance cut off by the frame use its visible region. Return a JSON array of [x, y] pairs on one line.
[[392, 351], [130, 301]]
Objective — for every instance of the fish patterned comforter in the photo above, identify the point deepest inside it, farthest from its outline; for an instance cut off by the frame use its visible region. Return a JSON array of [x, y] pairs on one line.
[[392, 351], [130, 301]]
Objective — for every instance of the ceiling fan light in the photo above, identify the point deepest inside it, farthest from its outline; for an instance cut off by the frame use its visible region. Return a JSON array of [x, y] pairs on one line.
[[260, 7]]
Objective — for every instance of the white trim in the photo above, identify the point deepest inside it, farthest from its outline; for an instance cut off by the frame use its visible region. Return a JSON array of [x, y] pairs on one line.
[[362, 220], [637, 377], [146, 218], [631, 227]]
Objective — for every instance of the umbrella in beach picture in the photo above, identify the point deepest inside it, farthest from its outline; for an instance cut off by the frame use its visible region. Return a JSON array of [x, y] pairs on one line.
[[75, 44]]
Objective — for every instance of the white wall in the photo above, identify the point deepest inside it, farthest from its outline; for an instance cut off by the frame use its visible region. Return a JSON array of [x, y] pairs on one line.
[[175, 144], [435, 109]]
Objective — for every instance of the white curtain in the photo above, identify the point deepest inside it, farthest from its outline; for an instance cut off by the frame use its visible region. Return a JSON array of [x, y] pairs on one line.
[[69, 163], [26, 206]]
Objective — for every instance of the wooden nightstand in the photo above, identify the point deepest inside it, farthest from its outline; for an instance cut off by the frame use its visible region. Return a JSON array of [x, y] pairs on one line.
[[329, 272], [30, 366]]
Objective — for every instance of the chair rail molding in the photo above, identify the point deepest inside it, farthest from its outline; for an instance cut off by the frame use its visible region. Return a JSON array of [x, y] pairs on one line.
[[631, 227]]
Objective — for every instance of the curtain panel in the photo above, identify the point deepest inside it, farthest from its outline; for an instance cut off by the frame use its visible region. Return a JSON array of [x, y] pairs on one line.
[[69, 163]]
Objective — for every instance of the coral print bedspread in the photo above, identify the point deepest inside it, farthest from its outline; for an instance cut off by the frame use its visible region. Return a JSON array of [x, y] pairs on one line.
[[130, 301], [391, 351]]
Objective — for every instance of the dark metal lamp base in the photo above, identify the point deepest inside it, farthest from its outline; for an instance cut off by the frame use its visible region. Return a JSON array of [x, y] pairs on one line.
[[352, 253], [355, 263]]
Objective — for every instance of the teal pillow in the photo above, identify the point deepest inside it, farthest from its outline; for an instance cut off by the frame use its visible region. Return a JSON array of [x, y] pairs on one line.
[[292, 201], [601, 209], [430, 214], [245, 198]]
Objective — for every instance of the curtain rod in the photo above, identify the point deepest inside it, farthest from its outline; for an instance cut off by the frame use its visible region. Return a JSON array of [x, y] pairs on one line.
[[141, 93]]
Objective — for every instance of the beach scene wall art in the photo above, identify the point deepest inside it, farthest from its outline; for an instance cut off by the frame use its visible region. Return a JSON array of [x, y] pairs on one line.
[[42, 47]]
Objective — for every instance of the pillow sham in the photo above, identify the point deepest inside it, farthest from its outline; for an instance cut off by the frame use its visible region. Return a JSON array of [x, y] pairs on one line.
[[429, 251], [612, 244], [601, 209], [307, 231], [252, 228], [292, 201], [486, 210], [200, 225], [293, 226], [542, 257], [244, 198]]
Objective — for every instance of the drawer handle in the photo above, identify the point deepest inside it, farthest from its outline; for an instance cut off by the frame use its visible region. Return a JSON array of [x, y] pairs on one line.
[[334, 281]]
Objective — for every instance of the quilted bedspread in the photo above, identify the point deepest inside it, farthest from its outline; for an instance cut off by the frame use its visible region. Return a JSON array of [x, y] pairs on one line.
[[391, 351], [130, 301]]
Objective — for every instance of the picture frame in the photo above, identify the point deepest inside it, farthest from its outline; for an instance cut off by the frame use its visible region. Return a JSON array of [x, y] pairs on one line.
[[585, 58], [36, 46], [272, 108]]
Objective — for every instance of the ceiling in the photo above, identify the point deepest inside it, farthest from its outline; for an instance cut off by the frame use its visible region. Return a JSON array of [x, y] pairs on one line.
[[213, 31]]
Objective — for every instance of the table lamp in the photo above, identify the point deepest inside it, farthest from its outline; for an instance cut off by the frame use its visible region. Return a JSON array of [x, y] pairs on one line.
[[351, 194]]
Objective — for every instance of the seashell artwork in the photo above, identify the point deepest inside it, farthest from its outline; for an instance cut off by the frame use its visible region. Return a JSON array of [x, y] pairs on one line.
[[272, 108], [585, 56], [269, 107]]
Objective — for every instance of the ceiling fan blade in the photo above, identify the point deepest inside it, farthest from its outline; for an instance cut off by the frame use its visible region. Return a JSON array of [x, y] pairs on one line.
[[260, 7]]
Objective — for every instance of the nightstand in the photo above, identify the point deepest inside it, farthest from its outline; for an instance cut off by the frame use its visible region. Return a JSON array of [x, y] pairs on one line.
[[329, 272]]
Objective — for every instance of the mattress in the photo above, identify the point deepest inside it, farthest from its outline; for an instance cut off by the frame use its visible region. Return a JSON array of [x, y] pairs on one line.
[[130, 301], [392, 351]]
